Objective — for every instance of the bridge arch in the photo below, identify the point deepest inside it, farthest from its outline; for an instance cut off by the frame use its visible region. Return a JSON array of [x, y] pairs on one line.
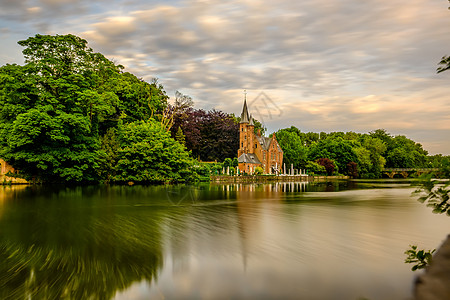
[[406, 172]]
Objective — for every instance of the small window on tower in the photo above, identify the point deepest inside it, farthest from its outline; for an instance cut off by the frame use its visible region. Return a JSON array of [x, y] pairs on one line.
[[256, 145]]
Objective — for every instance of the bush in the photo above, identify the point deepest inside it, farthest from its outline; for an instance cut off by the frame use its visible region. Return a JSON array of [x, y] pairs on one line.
[[315, 168], [258, 171]]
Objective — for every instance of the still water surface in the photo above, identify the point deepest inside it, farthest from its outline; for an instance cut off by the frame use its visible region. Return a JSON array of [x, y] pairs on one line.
[[339, 240]]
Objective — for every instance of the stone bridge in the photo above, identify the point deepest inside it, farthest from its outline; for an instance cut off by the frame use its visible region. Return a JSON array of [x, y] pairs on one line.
[[407, 172]]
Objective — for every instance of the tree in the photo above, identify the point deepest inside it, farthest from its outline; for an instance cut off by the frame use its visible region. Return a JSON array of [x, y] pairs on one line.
[[365, 164], [328, 164], [352, 169], [148, 154], [108, 158], [235, 162], [385, 137], [315, 168], [179, 137], [370, 156], [228, 162], [56, 108], [337, 149], [405, 153], [211, 135], [293, 150], [182, 102], [52, 107], [138, 100]]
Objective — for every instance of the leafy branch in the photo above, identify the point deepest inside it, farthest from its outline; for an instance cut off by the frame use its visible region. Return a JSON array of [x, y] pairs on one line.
[[420, 258], [436, 194]]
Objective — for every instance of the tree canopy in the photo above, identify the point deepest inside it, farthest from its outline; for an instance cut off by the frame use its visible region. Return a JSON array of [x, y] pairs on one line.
[[56, 109], [147, 153], [210, 135], [354, 154]]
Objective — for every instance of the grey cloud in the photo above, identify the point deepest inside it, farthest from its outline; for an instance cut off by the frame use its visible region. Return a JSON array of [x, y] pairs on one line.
[[11, 6]]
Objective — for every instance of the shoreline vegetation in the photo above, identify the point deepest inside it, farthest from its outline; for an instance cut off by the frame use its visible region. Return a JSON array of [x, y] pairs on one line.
[[223, 179]]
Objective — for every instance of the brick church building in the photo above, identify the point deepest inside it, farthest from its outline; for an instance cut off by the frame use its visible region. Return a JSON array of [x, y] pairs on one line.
[[256, 150]]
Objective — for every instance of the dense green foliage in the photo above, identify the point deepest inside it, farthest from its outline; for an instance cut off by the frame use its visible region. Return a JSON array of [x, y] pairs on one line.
[[52, 108], [70, 115], [147, 153], [294, 151], [354, 154]]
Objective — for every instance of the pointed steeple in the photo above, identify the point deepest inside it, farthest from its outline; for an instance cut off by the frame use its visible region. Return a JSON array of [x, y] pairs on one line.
[[244, 115], [251, 121]]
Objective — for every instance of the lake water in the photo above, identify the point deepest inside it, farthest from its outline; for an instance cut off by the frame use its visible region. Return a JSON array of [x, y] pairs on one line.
[[337, 240]]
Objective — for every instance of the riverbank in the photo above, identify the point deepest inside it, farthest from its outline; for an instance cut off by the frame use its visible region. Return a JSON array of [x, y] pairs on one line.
[[6, 180], [270, 178]]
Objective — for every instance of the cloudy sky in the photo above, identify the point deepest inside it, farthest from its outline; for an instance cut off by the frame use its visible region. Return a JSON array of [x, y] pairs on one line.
[[320, 65]]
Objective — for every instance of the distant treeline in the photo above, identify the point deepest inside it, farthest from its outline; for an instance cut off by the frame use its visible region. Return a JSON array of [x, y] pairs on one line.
[[355, 154]]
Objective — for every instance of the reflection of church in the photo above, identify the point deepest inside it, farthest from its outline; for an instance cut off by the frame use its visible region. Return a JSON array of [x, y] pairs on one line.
[[256, 150]]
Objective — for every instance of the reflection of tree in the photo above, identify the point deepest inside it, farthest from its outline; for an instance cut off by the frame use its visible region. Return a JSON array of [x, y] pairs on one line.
[[79, 249]]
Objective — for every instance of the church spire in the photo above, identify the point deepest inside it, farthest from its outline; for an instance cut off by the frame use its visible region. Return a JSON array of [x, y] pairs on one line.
[[244, 115], [251, 121]]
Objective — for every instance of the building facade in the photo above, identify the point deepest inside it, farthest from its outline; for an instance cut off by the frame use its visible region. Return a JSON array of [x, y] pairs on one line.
[[256, 150]]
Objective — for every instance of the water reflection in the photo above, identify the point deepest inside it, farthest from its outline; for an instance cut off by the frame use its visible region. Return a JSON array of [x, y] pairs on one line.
[[337, 240], [60, 244]]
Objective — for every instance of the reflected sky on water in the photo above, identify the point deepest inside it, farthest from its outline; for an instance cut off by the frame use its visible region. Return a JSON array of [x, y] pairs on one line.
[[337, 240]]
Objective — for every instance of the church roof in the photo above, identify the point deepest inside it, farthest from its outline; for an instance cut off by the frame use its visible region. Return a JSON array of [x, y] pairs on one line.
[[244, 115], [249, 158], [251, 121], [264, 142]]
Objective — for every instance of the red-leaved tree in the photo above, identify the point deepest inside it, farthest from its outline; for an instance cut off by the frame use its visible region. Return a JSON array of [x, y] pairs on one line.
[[328, 164]]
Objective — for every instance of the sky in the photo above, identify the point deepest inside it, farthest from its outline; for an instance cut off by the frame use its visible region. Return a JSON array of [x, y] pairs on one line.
[[319, 65]]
